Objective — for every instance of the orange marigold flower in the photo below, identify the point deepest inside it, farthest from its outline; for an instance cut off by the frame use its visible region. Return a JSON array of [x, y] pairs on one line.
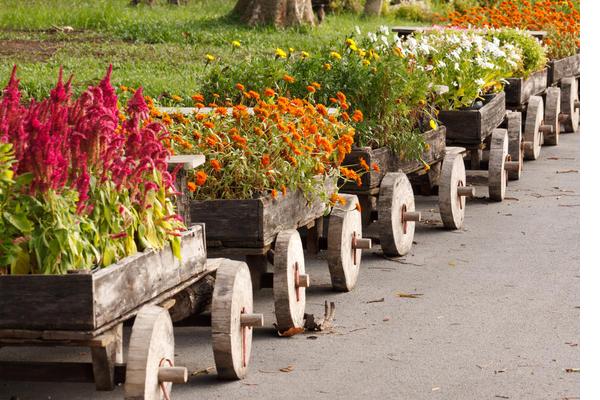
[[345, 116], [283, 191], [208, 124], [316, 85], [311, 89], [344, 106], [240, 87], [289, 79], [201, 178], [274, 193], [198, 98], [215, 164], [265, 160], [199, 105], [357, 116], [364, 164], [192, 186], [375, 167], [269, 92], [341, 97], [240, 140]]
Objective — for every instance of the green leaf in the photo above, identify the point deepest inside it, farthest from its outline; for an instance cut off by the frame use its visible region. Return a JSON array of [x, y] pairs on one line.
[[19, 221]]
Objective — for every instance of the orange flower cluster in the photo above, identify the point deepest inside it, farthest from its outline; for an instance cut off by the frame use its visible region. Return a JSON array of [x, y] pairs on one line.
[[281, 144], [559, 17]]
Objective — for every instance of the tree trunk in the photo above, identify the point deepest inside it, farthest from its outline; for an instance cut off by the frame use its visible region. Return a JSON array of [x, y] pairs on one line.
[[275, 12], [373, 7]]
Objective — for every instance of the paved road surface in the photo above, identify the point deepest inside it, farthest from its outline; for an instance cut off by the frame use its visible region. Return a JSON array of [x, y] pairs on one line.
[[498, 317]]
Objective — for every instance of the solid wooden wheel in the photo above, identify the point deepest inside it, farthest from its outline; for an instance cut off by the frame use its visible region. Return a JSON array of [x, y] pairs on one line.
[[551, 114], [515, 135], [289, 280], [569, 105], [345, 244], [151, 356], [532, 136], [496, 167], [396, 214], [452, 191], [232, 319]]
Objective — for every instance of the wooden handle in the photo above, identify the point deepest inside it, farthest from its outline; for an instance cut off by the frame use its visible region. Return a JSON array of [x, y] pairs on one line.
[[411, 216], [251, 320], [512, 166], [546, 129], [466, 191], [173, 374], [303, 281], [361, 243]]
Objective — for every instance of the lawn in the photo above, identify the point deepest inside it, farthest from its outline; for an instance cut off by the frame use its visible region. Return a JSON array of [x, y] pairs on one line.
[[161, 48]]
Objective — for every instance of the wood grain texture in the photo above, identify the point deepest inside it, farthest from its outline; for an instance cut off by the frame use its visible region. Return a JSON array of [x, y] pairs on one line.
[[343, 260], [519, 90], [290, 300], [396, 195], [563, 68], [514, 128], [451, 204], [568, 99], [87, 302], [232, 343], [531, 132], [497, 177], [469, 127], [551, 113], [151, 342]]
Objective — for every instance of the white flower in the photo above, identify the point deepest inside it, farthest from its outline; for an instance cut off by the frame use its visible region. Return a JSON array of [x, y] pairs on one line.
[[479, 82], [384, 30], [372, 37], [357, 29], [441, 89], [429, 68], [441, 64], [384, 39], [456, 66]]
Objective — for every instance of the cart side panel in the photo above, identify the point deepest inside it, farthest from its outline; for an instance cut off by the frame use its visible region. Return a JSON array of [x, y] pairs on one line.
[[492, 114], [519, 90], [563, 68], [436, 141], [138, 279], [46, 302], [233, 220], [371, 179]]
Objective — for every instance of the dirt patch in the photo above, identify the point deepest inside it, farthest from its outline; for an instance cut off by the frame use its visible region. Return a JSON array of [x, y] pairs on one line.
[[29, 50]]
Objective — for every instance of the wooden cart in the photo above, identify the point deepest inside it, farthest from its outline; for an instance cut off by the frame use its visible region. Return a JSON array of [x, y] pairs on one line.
[[403, 31], [386, 196], [476, 130], [265, 231], [87, 309], [528, 121], [564, 73]]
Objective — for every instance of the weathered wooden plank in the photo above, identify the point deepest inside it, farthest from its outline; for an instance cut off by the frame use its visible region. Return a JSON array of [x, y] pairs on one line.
[[86, 302], [519, 90], [229, 219], [436, 139], [563, 68], [372, 178], [467, 126], [408, 30]]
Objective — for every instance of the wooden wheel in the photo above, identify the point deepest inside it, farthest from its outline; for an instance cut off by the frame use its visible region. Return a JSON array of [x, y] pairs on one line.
[[497, 164], [289, 280], [569, 105], [551, 113], [345, 244], [532, 137], [396, 214], [232, 319], [150, 370], [515, 149], [452, 191]]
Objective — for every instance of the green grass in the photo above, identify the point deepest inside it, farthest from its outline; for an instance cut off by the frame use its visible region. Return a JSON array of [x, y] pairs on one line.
[[161, 48]]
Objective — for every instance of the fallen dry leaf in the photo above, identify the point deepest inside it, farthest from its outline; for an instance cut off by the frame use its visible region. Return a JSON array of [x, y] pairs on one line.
[[409, 295], [452, 263], [568, 171], [385, 319], [204, 371], [381, 300], [499, 371], [501, 397], [290, 332], [571, 369], [289, 368], [511, 198], [435, 389]]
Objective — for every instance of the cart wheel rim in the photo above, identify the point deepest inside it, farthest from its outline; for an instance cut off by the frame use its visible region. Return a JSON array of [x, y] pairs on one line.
[[395, 198], [451, 204], [515, 137], [568, 88], [290, 298], [533, 121], [343, 258], [232, 297], [551, 113], [151, 343], [497, 173]]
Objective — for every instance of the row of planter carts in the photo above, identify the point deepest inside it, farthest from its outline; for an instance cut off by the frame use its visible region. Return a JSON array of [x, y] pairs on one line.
[[483, 146]]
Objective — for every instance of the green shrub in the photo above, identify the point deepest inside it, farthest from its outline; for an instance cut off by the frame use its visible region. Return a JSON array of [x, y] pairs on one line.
[[534, 56]]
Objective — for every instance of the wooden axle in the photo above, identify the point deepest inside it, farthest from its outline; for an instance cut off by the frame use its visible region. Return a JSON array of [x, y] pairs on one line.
[[546, 129], [173, 374], [466, 191], [512, 166], [563, 117], [413, 216], [576, 104], [361, 243], [251, 320], [303, 281]]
